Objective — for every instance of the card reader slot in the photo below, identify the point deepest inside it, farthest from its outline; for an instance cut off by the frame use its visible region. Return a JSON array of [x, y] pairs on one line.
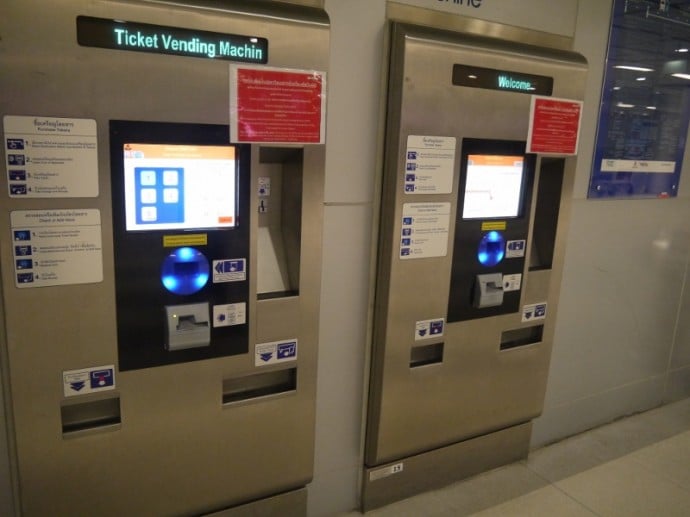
[[259, 386], [426, 354], [521, 337], [90, 416]]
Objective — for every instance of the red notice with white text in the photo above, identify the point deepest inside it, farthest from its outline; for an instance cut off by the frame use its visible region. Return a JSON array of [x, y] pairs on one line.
[[272, 105], [554, 126]]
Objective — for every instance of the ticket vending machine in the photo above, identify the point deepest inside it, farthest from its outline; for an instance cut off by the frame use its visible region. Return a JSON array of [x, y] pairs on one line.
[[160, 272], [470, 252]]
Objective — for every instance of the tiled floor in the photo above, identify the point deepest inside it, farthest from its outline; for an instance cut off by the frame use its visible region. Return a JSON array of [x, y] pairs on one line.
[[637, 466]]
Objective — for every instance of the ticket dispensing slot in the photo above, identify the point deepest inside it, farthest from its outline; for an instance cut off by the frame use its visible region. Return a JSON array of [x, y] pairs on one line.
[[188, 326], [488, 290]]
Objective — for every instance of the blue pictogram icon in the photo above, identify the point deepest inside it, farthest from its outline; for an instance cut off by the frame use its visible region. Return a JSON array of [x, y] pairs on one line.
[[287, 350], [230, 266], [266, 356], [436, 327], [101, 378], [77, 386]]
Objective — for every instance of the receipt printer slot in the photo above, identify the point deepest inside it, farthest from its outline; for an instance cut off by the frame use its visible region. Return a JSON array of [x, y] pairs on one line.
[[188, 326], [488, 290]]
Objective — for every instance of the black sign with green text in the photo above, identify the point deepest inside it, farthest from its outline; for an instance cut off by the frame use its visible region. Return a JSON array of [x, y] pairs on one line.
[[159, 39]]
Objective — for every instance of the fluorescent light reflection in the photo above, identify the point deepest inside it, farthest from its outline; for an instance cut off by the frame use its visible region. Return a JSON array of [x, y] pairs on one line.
[[682, 76], [634, 68]]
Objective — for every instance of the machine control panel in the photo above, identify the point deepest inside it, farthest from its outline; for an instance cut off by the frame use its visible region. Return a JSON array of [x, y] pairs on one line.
[[181, 212], [492, 224]]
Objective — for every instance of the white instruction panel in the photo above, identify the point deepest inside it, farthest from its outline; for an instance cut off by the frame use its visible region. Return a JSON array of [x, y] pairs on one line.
[[51, 157], [429, 164], [56, 247], [425, 228]]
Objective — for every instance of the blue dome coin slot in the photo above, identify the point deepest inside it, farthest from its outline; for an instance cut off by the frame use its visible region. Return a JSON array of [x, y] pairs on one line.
[[185, 271], [491, 249]]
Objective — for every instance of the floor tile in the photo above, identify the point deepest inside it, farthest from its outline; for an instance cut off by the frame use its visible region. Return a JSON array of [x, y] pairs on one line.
[[547, 501], [669, 458], [491, 488], [626, 488]]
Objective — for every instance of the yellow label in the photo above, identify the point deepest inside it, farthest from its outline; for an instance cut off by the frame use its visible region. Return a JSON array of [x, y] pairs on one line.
[[493, 225], [194, 239]]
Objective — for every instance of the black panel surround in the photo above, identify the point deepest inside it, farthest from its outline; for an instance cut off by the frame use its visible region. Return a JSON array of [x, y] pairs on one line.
[[469, 233], [140, 295]]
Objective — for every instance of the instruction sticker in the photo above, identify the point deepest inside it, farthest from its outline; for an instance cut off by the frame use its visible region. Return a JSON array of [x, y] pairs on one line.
[[264, 186], [229, 270], [428, 329], [229, 314], [424, 232], [88, 380], [51, 157], [515, 249], [276, 352], [56, 247], [535, 311], [192, 239], [512, 282], [429, 164]]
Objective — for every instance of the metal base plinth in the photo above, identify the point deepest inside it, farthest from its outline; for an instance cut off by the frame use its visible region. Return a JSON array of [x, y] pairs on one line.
[[289, 504], [385, 484]]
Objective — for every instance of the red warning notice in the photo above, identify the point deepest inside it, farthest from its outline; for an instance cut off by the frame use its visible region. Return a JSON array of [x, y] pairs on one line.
[[277, 105], [554, 126]]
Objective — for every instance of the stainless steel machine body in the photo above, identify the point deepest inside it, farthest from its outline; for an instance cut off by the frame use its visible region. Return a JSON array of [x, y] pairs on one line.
[[446, 405], [189, 437]]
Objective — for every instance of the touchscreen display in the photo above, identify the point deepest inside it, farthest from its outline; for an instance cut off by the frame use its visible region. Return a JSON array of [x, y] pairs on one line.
[[179, 187], [493, 186]]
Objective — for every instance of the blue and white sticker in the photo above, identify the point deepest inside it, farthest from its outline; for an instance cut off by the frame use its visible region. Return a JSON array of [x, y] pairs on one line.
[[534, 311], [276, 352], [512, 282], [229, 270], [429, 329], [515, 249], [88, 380], [229, 314]]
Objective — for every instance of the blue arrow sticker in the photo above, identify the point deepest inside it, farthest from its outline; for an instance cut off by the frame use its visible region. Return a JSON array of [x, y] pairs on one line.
[[77, 386]]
